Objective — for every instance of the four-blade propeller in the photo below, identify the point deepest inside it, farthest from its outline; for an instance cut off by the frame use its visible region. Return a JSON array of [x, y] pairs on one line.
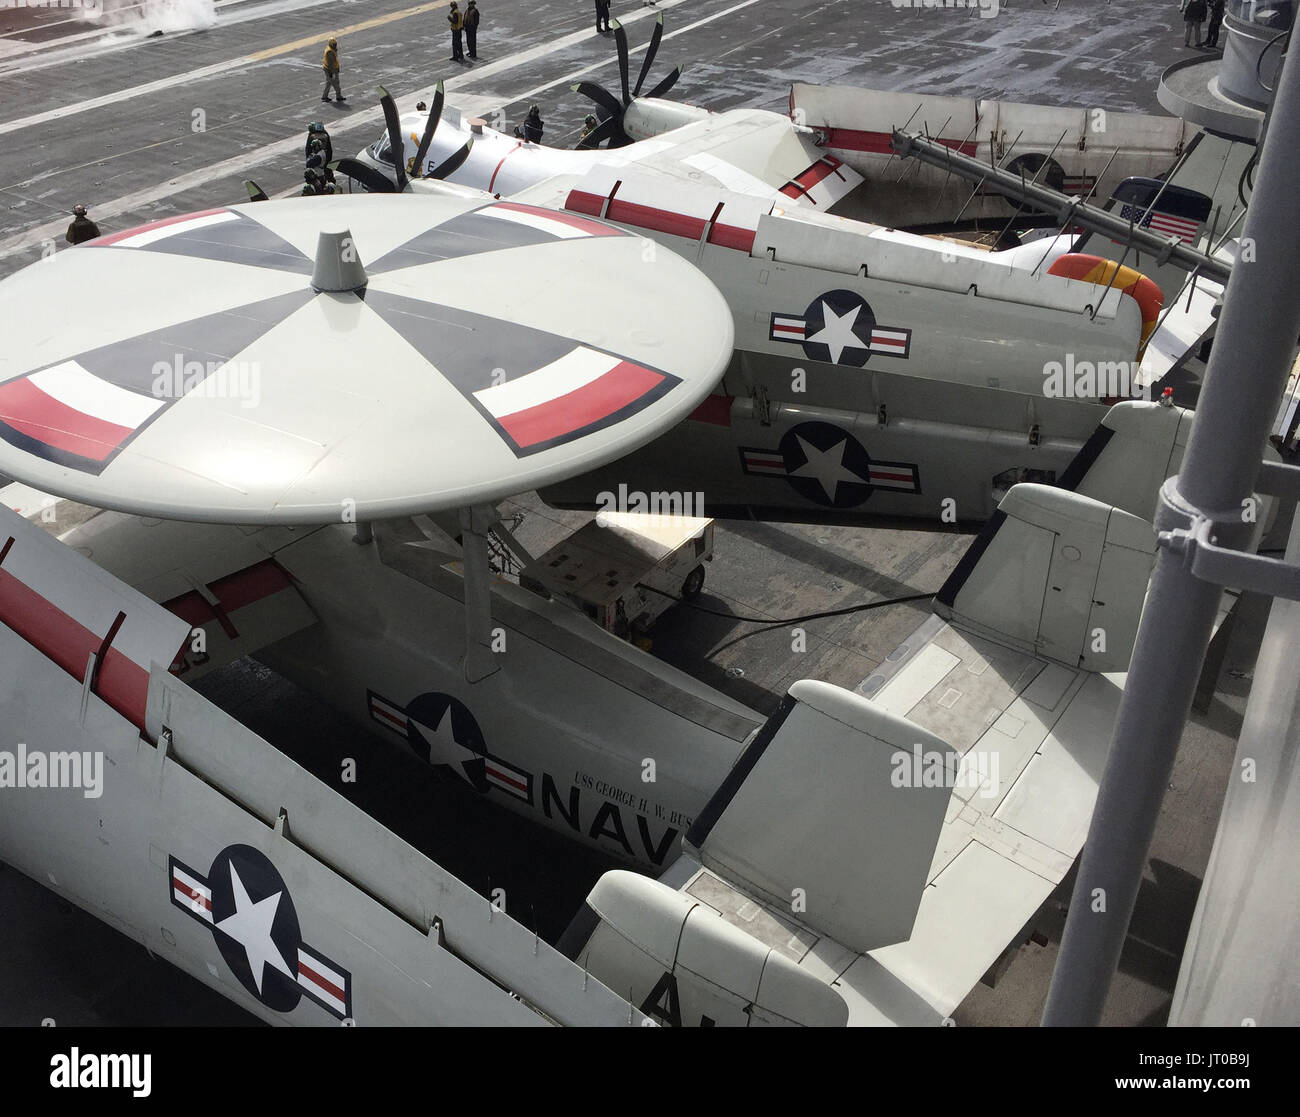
[[608, 107], [375, 180]]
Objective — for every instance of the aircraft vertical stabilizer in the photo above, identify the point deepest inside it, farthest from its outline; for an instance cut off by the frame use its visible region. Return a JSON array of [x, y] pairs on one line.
[[826, 761], [1056, 574]]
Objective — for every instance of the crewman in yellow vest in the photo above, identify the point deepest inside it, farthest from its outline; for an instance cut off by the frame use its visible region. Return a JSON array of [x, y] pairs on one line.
[[457, 24], [330, 65]]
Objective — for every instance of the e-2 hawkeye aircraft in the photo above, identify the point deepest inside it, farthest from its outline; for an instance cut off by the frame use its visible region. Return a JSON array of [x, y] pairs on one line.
[[935, 810], [876, 373]]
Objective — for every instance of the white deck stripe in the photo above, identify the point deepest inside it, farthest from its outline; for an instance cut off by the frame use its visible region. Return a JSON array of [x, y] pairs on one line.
[[74, 387], [52, 231], [366, 118], [571, 372]]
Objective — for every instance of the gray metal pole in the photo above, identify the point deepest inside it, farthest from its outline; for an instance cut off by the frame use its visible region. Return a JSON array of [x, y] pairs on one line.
[[1071, 211], [1248, 369]]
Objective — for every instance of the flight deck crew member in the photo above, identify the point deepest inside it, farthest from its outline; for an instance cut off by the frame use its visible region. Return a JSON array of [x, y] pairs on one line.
[[1193, 16], [330, 64], [602, 15], [82, 228], [456, 22], [471, 28], [1216, 21], [319, 139], [532, 127], [589, 125]]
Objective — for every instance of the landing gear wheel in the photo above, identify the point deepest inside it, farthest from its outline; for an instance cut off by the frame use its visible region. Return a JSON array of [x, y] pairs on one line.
[[693, 584]]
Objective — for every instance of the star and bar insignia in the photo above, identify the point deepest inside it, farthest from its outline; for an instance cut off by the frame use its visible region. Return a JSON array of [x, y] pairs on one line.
[[839, 327], [442, 730], [245, 903], [828, 466]]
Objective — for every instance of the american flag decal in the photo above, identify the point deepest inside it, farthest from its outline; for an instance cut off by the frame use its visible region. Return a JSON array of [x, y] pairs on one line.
[[1163, 224]]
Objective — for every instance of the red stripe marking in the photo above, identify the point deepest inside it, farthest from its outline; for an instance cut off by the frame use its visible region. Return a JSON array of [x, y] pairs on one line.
[[123, 684], [191, 607], [591, 228], [253, 583], [892, 342], [793, 331], [661, 220], [732, 236], [391, 717], [506, 156], [113, 238], [233, 592], [507, 779], [891, 475], [814, 174], [793, 190], [316, 979], [715, 410], [188, 891], [766, 462], [623, 384], [38, 415], [580, 201], [877, 143]]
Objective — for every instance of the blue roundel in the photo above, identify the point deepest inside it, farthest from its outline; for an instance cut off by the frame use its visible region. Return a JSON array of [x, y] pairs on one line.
[[255, 925]]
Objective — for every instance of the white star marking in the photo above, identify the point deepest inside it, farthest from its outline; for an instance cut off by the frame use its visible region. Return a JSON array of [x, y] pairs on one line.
[[441, 738], [826, 466], [837, 332], [250, 926]]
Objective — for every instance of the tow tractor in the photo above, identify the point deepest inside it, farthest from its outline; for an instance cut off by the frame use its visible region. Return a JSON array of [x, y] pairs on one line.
[[624, 569]]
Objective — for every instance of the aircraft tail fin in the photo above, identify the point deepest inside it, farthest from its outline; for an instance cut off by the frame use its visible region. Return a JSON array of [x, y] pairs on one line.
[[787, 822], [826, 827], [1057, 574]]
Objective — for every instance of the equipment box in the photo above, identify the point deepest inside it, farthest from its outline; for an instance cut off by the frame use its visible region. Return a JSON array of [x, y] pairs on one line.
[[605, 567]]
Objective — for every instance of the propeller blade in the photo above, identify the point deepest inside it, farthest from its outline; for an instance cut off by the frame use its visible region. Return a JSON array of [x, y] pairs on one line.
[[650, 53], [453, 161], [375, 181], [431, 126], [598, 135], [255, 192], [394, 136], [603, 98], [620, 41], [667, 84]]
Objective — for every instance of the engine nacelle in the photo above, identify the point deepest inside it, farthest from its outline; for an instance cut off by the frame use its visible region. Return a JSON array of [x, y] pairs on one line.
[[649, 116]]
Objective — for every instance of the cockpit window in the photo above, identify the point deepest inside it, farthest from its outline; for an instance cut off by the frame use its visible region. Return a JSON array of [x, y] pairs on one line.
[[381, 149]]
